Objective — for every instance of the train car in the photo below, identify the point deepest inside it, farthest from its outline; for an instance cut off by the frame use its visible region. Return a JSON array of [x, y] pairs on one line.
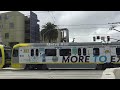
[[5, 56], [39, 55]]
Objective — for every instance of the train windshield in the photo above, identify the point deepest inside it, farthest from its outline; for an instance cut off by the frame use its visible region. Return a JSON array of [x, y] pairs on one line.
[[7, 53], [15, 52]]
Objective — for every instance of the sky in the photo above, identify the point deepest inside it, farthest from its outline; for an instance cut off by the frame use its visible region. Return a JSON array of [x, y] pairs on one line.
[[82, 25]]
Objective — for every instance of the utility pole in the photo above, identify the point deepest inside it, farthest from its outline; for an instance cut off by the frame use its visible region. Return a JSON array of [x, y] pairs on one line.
[[113, 26]]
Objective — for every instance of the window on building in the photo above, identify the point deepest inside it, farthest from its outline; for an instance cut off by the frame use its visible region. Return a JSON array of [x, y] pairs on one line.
[[96, 51], [11, 25], [6, 35], [65, 52], [118, 51], [84, 51], [79, 51], [37, 52], [1, 26], [50, 52], [32, 52]]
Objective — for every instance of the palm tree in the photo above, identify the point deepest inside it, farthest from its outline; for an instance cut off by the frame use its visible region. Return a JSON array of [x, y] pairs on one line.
[[49, 32]]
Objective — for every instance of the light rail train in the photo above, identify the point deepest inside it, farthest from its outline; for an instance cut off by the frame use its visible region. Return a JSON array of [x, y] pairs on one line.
[[40, 55]]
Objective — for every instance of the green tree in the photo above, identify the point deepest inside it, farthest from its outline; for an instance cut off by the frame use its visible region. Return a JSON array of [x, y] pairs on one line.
[[49, 32]]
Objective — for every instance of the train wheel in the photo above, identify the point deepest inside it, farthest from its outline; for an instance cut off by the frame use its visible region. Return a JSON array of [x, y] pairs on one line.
[[39, 67], [44, 67], [6, 65], [29, 67], [99, 67]]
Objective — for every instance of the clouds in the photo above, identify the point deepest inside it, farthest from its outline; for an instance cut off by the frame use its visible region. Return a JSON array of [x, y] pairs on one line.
[[70, 17], [82, 32], [82, 25], [86, 24]]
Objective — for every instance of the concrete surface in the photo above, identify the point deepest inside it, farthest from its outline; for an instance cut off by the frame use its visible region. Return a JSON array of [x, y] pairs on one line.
[[50, 74]]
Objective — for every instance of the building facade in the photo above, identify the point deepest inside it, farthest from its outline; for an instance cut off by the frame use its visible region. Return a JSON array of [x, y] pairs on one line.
[[34, 28], [16, 28], [12, 28], [63, 36]]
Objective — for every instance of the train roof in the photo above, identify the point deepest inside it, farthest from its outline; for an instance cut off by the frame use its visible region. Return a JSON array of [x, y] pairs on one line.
[[67, 44], [74, 44], [21, 45]]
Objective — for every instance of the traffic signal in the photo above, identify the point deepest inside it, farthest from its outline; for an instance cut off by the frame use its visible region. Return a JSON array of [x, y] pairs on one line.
[[98, 37], [94, 39], [108, 38]]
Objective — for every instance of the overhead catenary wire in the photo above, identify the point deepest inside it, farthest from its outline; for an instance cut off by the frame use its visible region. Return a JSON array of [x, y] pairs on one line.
[[52, 17], [80, 26], [77, 25]]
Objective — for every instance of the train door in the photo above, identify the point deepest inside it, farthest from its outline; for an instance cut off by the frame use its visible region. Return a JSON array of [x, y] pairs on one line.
[[42, 55], [34, 56], [115, 56], [90, 54], [107, 54], [15, 57]]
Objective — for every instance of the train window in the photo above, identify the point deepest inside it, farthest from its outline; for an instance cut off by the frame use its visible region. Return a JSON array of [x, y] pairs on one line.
[[74, 50], [37, 52], [0, 53], [65, 52], [15, 53], [79, 51], [50, 52], [11, 25], [96, 51], [32, 52], [118, 51], [84, 51]]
